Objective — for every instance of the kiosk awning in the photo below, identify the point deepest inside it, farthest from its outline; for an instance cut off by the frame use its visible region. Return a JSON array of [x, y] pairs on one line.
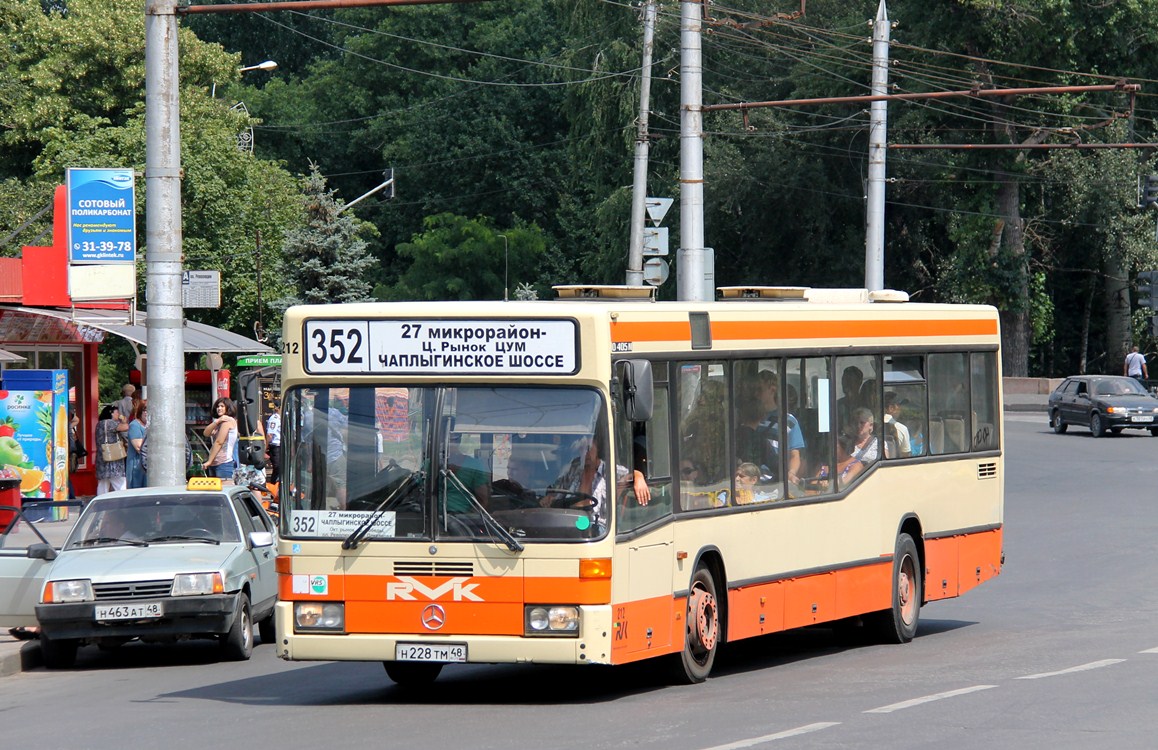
[[198, 337], [10, 357]]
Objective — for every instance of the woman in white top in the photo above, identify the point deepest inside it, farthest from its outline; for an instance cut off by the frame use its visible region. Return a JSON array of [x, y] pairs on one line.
[[223, 431]]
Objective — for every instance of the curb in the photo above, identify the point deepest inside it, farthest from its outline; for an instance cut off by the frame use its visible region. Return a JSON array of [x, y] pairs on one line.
[[16, 660]]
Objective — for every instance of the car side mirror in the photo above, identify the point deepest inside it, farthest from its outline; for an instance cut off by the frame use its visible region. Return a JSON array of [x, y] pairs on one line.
[[42, 551], [261, 538]]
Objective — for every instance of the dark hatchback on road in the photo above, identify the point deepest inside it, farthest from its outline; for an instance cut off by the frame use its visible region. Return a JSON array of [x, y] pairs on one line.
[[1103, 402]]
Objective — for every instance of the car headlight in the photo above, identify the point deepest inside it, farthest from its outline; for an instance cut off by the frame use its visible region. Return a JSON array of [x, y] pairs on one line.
[[554, 619], [198, 584], [79, 590], [1116, 410], [329, 616]]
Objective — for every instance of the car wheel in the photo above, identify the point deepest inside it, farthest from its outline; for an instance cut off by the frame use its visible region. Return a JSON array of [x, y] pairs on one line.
[[267, 631], [238, 642], [1056, 422], [1097, 429], [58, 653]]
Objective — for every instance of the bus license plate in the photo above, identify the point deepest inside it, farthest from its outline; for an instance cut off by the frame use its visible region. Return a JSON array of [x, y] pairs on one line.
[[128, 611], [1142, 419], [430, 652]]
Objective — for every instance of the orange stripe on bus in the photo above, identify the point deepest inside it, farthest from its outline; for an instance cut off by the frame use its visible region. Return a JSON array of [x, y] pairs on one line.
[[443, 589], [811, 329], [459, 618]]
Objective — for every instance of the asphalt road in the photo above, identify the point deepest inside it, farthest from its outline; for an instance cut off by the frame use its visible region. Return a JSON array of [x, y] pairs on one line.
[[1059, 652]]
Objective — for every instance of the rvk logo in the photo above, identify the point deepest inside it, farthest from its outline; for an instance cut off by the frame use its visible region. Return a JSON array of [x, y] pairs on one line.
[[406, 588]]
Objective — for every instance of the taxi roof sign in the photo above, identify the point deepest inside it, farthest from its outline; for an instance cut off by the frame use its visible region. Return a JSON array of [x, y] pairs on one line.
[[204, 484]]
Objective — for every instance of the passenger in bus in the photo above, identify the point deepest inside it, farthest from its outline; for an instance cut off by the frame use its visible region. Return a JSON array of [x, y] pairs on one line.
[[471, 472], [847, 464], [897, 442], [751, 443], [748, 489], [583, 484], [862, 429], [768, 393], [850, 383], [704, 432]]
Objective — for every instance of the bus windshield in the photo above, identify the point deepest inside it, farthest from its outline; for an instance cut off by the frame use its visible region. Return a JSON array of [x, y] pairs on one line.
[[491, 464]]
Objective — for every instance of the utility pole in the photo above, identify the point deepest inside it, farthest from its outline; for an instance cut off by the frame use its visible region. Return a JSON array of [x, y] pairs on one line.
[[874, 241], [639, 186], [165, 337], [691, 268]]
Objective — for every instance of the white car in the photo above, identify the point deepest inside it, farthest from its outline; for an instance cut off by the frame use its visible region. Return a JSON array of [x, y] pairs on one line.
[[156, 564]]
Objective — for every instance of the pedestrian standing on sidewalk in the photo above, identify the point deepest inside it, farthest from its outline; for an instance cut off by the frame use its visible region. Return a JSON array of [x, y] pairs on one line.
[[223, 430], [138, 433], [1135, 366], [273, 444], [110, 474]]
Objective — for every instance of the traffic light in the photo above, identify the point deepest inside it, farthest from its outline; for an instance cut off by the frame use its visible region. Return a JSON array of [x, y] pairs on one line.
[[1148, 289], [1154, 326], [1148, 191]]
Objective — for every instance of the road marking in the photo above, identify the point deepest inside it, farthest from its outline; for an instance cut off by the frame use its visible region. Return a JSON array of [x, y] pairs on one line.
[[1071, 670], [1150, 651], [778, 736], [927, 699]]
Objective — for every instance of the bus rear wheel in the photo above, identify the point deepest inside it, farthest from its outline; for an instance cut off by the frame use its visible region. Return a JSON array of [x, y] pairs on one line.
[[701, 631], [898, 624], [412, 673]]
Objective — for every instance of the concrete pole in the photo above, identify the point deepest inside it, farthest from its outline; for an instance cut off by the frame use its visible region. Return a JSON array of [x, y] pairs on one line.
[[163, 246], [642, 147], [874, 243], [691, 266]]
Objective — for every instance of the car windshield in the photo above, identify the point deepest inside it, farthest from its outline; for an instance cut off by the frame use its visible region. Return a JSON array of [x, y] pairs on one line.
[[492, 464], [155, 519], [1120, 387]]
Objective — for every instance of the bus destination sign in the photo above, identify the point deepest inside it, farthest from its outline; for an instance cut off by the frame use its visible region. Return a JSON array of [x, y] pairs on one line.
[[440, 347]]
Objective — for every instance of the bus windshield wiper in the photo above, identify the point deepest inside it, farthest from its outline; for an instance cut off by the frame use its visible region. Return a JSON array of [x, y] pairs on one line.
[[488, 520], [358, 534]]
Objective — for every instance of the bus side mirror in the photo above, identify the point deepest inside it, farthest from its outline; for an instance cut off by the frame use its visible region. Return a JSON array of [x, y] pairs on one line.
[[636, 389]]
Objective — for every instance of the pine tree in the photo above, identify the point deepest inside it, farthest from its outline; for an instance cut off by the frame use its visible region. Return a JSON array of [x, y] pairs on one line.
[[326, 260]]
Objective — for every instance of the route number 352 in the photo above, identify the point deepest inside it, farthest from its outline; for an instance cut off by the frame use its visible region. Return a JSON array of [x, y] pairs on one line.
[[336, 346]]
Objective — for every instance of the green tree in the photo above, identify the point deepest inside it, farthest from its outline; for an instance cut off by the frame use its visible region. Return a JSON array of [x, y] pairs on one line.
[[73, 95], [457, 258], [326, 259]]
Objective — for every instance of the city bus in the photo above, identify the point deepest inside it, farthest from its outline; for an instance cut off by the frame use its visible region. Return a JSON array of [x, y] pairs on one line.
[[605, 478]]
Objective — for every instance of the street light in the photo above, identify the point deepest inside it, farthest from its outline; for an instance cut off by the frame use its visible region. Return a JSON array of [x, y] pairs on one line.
[[267, 65]]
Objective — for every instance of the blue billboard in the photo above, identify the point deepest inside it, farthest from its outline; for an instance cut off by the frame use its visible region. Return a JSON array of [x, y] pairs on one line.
[[102, 216]]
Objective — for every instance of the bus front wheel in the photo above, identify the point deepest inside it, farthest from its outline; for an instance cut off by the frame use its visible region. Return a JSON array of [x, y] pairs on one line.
[[412, 673], [898, 624], [701, 631]]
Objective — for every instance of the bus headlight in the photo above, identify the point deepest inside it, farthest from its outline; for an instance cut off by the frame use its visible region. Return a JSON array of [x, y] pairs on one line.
[[556, 619], [79, 590], [328, 616]]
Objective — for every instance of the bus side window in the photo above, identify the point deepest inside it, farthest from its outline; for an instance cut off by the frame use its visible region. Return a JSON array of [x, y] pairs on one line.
[[642, 446]]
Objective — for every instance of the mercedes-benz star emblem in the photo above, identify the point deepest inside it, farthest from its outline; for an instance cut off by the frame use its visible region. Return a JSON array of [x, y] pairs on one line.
[[433, 617]]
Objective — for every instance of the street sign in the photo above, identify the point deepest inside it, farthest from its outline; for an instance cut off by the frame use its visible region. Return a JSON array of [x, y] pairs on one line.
[[201, 289], [657, 209], [655, 271], [102, 216], [655, 241], [259, 360]]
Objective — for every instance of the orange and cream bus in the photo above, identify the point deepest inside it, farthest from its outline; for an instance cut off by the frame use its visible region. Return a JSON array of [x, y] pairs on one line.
[[606, 478]]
